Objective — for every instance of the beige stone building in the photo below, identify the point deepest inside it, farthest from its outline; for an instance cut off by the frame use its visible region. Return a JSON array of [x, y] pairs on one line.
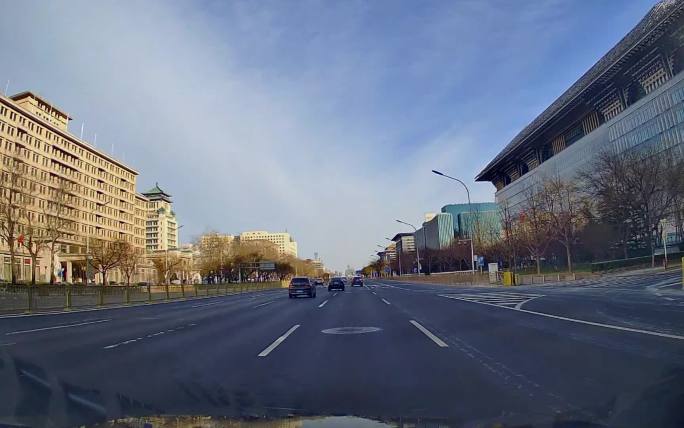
[[102, 200], [284, 241], [161, 231]]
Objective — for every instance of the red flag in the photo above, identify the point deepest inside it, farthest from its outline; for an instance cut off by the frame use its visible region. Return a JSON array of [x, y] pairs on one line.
[[20, 239]]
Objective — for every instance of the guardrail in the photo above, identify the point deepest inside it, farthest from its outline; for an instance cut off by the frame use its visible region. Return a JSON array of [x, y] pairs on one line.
[[27, 299]]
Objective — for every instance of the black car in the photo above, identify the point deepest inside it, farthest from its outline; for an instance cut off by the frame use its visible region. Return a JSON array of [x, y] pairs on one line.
[[357, 281], [302, 286], [336, 284]]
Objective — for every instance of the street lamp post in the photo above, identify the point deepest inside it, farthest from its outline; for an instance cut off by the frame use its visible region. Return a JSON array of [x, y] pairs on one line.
[[398, 253], [472, 250], [414, 242]]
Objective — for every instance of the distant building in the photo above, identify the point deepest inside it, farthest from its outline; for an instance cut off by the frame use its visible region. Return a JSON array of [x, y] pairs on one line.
[[484, 217], [429, 216], [210, 238], [284, 242], [404, 243], [162, 226], [436, 233]]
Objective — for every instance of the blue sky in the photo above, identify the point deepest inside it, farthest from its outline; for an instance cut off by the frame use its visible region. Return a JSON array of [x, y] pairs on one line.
[[320, 117]]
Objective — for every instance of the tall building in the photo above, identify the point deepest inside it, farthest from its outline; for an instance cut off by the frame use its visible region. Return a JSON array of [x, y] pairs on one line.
[[101, 197], [632, 98], [284, 242], [161, 231], [436, 233], [482, 216]]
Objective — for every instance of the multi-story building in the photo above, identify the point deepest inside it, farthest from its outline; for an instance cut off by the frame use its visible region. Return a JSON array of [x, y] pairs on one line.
[[436, 233], [404, 243], [101, 198], [478, 217], [161, 231], [284, 242], [633, 97]]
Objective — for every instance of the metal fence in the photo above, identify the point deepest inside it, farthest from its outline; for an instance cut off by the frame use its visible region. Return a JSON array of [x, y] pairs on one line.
[[39, 298]]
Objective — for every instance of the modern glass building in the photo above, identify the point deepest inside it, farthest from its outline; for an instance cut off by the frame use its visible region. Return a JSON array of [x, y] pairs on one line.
[[437, 233], [484, 215], [631, 98]]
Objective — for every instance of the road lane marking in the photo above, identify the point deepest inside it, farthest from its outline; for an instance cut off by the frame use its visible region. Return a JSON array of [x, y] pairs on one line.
[[54, 327], [264, 304], [86, 403], [427, 332], [386, 302], [278, 341], [578, 321], [334, 294], [37, 379], [7, 344], [497, 298], [323, 304]]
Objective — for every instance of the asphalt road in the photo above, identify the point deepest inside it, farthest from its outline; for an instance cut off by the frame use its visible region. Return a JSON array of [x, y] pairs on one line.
[[608, 352]]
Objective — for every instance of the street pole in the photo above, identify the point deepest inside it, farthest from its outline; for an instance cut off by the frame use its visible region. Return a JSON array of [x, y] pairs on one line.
[[415, 232], [398, 253], [470, 209]]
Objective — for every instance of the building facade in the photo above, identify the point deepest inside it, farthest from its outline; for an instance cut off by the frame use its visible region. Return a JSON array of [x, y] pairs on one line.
[[404, 243], [161, 230], [436, 233], [632, 98], [284, 242], [98, 190], [479, 217]]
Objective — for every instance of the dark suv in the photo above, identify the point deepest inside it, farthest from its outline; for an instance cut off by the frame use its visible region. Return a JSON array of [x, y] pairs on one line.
[[357, 281], [302, 286], [336, 284]]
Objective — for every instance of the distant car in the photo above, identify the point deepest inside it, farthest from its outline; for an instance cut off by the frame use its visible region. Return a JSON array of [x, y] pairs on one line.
[[318, 281], [302, 286], [336, 284], [357, 281]]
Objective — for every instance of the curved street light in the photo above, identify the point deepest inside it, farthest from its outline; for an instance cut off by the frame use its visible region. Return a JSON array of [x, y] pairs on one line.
[[472, 250], [415, 242]]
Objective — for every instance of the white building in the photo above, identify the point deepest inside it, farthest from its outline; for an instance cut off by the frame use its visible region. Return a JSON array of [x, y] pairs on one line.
[[284, 241]]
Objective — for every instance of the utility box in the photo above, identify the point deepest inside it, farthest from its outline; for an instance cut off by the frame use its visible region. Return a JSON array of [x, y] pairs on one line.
[[508, 278]]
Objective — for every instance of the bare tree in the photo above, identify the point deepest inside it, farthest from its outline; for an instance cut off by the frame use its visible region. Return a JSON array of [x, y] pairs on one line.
[[535, 225], [165, 264], [32, 240], [566, 207], [12, 207], [636, 191], [57, 222], [106, 255], [130, 261]]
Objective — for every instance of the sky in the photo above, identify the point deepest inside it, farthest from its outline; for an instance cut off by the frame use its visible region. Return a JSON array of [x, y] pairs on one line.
[[321, 118]]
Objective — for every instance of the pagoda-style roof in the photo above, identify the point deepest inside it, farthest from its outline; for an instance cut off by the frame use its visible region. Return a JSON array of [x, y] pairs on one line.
[[157, 193]]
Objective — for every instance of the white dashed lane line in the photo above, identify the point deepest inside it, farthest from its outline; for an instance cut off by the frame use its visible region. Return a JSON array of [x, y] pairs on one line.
[[427, 332], [323, 304], [386, 302], [264, 304], [278, 341], [55, 327], [149, 336]]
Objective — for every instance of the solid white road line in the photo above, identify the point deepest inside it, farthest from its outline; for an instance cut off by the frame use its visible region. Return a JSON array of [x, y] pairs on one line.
[[558, 317], [323, 304], [7, 344], [54, 327], [278, 341], [264, 304], [386, 302], [427, 332]]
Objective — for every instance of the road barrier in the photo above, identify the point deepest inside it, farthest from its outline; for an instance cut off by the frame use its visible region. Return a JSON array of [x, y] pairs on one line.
[[26, 298]]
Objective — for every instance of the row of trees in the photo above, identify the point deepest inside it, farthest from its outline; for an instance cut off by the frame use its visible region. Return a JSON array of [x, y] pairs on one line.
[[616, 207], [620, 202], [227, 259]]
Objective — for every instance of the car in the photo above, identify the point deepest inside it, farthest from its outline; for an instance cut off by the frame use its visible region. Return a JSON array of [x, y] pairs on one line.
[[336, 283], [318, 281], [302, 286], [357, 281]]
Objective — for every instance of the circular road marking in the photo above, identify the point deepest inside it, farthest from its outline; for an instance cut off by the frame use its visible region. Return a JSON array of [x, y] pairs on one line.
[[350, 330]]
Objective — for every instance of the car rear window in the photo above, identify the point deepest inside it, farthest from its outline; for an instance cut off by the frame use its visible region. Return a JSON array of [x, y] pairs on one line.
[[299, 281]]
